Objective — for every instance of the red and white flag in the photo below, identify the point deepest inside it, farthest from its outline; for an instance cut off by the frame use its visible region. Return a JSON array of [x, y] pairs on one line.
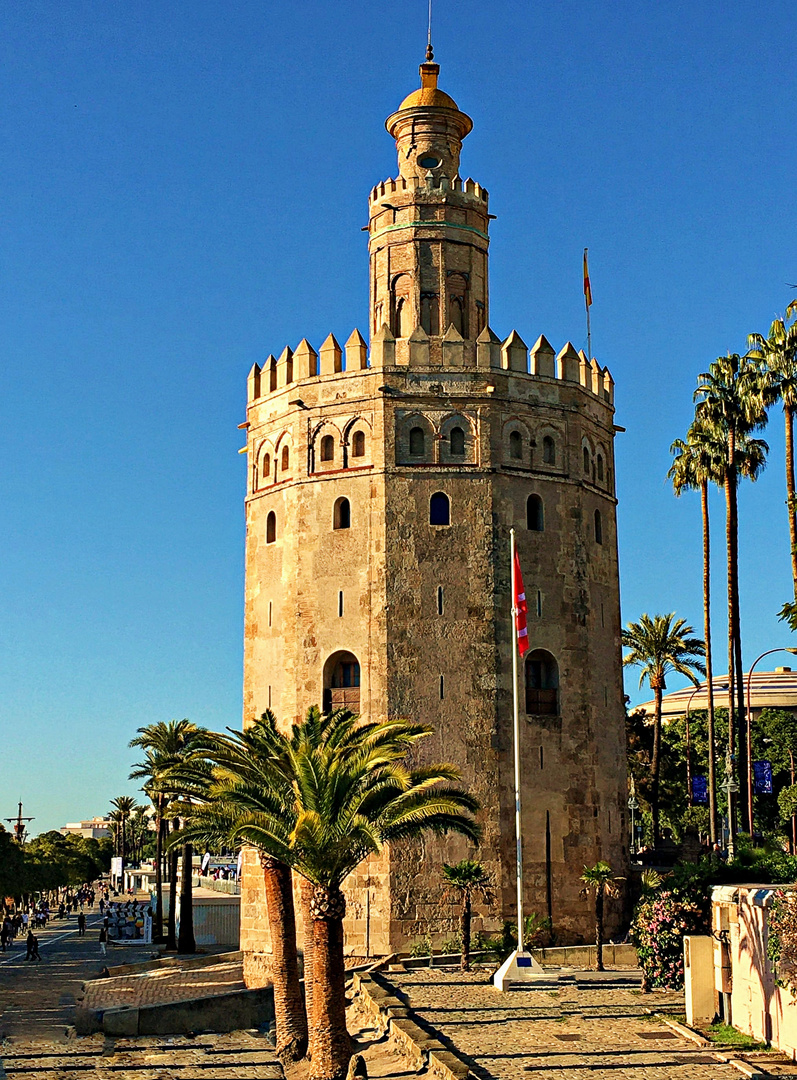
[[521, 610]]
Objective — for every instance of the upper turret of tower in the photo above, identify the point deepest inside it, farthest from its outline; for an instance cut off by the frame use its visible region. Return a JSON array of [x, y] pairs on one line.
[[428, 128]]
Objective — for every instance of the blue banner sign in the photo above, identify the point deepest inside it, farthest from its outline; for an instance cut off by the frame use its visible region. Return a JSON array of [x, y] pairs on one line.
[[762, 777], [700, 790]]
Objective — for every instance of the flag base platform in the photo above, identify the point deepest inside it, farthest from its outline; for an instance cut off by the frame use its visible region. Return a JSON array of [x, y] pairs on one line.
[[519, 967]]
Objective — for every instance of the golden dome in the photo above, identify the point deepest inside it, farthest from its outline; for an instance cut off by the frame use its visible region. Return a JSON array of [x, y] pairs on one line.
[[428, 95]]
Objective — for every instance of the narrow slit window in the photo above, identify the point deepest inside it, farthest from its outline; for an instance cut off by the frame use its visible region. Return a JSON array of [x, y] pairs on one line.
[[269, 697], [439, 509], [341, 517], [340, 604], [598, 528], [286, 459], [417, 442], [266, 475], [439, 599], [457, 442], [603, 622], [587, 469], [539, 604], [269, 613], [327, 448], [271, 527], [534, 514], [442, 687], [548, 450], [541, 758], [600, 468], [515, 445]]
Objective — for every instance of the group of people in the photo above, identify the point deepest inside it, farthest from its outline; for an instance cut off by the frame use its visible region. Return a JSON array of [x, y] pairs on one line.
[[35, 916], [22, 922]]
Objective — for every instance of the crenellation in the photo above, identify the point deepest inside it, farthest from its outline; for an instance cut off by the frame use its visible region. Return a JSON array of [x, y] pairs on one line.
[[596, 384], [543, 361], [515, 353], [331, 356], [356, 352], [253, 383], [383, 348], [285, 368], [453, 349], [568, 364], [305, 361], [488, 350]]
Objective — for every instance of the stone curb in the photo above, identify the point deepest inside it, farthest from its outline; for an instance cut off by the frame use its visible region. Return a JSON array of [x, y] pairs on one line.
[[395, 1018], [189, 962], [744, 1067]]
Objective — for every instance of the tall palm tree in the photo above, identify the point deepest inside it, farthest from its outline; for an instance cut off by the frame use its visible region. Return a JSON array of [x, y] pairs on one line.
[[778, 352], [465, 880], [731, 399], [322, 805], [124, 806], [601, 880], [699, 461], [166, 745], [658, 645]]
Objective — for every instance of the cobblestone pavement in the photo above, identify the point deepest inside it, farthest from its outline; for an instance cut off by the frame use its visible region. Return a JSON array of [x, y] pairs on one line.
[[37, 998], [233, 1056], [161, 987], [583, 1028]]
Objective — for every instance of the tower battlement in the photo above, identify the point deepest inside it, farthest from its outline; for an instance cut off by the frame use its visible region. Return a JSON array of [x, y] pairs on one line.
[[451, 352], [429, 183]]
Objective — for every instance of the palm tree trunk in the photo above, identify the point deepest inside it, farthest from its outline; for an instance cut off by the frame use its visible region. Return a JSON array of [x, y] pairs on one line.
[[186, 942], [171, 936], [731, 547], [599, 927], [330, 1045], [306, 894], [159, 870], [736, 637], [288, 1005], [791, 502], [712, 770], [465, 931], [657, 685]]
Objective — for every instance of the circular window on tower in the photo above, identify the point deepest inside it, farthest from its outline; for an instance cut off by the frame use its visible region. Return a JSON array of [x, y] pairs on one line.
[[429, 162]]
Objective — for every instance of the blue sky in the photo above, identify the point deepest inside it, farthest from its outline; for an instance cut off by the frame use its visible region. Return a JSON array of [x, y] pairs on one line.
[[182, 192]]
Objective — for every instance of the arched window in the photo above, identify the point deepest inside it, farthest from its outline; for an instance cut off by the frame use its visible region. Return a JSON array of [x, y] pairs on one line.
[[286, 459], [515, 445], [358, 444], [265, 475], [341, 516], [403, 328], [456, 315], [327, 448], [417, 442], [600, 467], [587, 468], [439, 509], [548, 450], [542, 684], [430, 313], [342, 682], [271, 527], [598, 528], [457, 437], [534, 514]]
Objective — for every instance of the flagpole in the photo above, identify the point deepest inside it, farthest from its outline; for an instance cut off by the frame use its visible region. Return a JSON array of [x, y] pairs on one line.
[[587, 302], [516, 741]]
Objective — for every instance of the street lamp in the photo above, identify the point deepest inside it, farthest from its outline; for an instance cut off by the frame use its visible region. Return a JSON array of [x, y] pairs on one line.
[[749, 729], [633, 806]]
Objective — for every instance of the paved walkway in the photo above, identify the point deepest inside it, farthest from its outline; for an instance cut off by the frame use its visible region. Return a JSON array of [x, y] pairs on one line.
[[587, 1028]]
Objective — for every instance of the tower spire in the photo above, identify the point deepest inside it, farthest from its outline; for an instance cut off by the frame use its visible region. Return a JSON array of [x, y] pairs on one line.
[[429, 49]]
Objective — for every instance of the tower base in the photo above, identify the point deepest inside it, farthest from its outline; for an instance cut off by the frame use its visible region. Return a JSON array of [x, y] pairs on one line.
[[519, 967]]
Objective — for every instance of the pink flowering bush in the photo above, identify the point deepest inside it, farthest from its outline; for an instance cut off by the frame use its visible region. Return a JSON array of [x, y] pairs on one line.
[[660, 923]]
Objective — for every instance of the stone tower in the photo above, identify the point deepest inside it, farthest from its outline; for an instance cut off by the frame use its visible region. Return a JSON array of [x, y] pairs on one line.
[[382, 484]]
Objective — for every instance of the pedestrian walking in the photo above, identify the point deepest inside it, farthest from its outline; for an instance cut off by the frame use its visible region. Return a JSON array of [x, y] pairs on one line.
[[81, 924], [32, 943], [103, 940]]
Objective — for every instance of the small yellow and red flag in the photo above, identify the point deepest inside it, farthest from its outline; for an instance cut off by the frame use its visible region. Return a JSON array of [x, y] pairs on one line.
[[587, 286]]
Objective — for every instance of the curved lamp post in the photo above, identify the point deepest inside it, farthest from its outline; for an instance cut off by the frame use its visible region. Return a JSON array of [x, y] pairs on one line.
[[749, 727], [633, 806]]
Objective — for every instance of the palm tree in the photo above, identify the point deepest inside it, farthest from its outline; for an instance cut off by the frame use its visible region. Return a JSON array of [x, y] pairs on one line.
[[698, 462], [778, 351], [166, 745], [465, 880], [600, 878], [659, 645], [731, 399], [321, 800], [124, 806]]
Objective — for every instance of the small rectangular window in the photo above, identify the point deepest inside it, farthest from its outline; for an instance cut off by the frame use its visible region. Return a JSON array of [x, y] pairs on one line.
[[340, 604]]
